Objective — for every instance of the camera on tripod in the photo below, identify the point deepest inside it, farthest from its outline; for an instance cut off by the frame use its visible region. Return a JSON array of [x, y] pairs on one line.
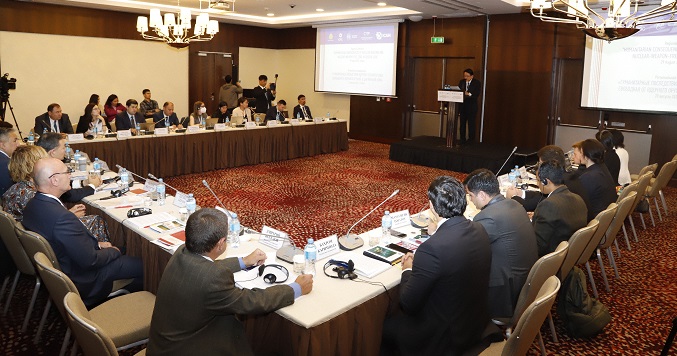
[[7, 83]]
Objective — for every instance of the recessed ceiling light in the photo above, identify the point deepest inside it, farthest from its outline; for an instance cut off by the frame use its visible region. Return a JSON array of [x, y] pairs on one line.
[[270, 14], [381, 4], [319, 10]]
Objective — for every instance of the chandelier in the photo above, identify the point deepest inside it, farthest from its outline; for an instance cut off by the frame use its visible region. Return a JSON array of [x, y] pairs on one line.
[[222, 5], [621, 21], [175, 30]]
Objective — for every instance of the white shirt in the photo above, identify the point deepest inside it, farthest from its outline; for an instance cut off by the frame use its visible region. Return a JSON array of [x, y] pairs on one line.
[[624, 173]]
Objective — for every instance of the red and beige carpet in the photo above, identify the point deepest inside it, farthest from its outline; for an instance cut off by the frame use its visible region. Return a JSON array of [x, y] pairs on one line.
[[323, 195]]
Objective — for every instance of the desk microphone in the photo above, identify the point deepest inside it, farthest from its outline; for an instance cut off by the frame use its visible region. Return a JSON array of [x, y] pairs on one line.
[[134, 174], [286, 252], [151, 176], [49, 127], [350, 242], [217, 198], [506, 160]]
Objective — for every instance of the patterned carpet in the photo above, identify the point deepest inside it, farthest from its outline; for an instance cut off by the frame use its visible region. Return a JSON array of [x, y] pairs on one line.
[[323, 195]]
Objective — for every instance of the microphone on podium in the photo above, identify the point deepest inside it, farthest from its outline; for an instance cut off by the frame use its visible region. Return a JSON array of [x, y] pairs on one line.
[[506, 161], [350, 242]]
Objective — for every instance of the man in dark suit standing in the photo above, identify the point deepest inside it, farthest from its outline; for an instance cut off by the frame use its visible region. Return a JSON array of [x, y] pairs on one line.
[[128, 120], [513, 242], [167, 117], [53, 121], [443, 293], [277, 112], [197, 301], [263, 95], [471, 88], [91, 265], [9, 141], [562, 213], [302, 111]]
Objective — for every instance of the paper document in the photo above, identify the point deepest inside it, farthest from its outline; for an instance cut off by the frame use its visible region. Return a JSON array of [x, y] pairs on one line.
[[151, 219], [169, 243]]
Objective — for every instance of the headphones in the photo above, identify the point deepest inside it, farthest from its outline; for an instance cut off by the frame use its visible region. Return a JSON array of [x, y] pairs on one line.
[[344, 270], [273, 273], [119, 193], [543, 180], [132, 213]]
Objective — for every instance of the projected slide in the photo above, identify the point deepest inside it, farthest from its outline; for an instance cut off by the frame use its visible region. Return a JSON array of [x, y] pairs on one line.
[[638, 73], [356, 59]]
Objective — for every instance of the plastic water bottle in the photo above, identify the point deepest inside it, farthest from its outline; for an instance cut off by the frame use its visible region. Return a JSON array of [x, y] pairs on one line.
[[138, 128], [160, 189], [202, 122], [76, 157], [44, 131], [234, 232], [512, 178], [191, 205], [386, 224], [31, 138], [298, 115], [328, 116], [310, 253], [97, 165], [124, 177], [69, 151], [96, 131], [518, 175]]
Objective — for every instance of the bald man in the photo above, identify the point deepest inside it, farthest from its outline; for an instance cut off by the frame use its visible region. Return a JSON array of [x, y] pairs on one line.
[[91, 265]]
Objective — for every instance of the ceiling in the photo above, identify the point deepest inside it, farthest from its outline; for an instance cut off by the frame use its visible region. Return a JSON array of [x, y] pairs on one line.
[[299, 13]]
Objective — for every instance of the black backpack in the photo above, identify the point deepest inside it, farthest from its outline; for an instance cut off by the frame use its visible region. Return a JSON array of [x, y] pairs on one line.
[[583, 315]]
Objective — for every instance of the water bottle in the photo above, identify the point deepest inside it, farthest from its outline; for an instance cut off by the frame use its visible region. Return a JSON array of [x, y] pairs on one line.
[[227, 121], [96, 131], [386, 224], [191, 205], [328, 116], [160, 190], [234, 232], [69, 151], [310, 253], [138, 128], [518, 175], [298, 115], [97, 165], [31, 138], [76, 157], [511, 177], [44, 131], [124, 177], [202, 122]]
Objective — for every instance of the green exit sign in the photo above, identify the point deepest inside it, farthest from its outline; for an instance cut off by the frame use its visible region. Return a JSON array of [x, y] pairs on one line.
[[436, 39]]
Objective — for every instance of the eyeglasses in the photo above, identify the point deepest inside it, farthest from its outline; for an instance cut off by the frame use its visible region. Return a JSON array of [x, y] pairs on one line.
[[70, 170]]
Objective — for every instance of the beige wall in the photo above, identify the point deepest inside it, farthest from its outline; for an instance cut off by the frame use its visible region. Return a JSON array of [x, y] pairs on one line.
[[295, 68], [68, 69]]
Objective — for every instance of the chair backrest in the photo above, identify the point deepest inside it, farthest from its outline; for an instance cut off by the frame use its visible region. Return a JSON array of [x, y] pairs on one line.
[[544, 268], [58, 284], [112, 126], [642, 185], [604, 219], [649, 168], [89, 335], [34, 243], [533, 317], [618, 221], [662, 179], [674, 158], [577, 244], [11, 241], [632, 187], [212, 121]]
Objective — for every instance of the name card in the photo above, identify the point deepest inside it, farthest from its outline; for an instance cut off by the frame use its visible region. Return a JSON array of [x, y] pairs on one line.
[[503, 180], [180, 199], [450, 96], [272, 123], [193, 129], [327, 247], [76, 137], [400, 219], [294, 122], [161, 131], [250, 125], [523, 172], [317, 120], [124, 134], [150, 185], [220, 127], [271, 241]]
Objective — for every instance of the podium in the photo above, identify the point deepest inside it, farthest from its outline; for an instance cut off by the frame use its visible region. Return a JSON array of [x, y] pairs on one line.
[[450, 100]]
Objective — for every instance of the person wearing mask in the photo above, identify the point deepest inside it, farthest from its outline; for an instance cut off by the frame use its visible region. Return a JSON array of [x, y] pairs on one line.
[[623, 156], [54, 120], [277, 112], [112, 108], [167, 117], [302, 110], [199, 113]]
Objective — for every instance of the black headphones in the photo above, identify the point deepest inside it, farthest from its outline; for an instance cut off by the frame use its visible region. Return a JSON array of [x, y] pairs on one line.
[[344, 270], [136, 212], [543, 180], [273, 273]]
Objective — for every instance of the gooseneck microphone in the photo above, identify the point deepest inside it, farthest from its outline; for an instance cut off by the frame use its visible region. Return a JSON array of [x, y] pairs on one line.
[[506, 160], [134, 174], [350, 242], [151, 176], [217, 198]]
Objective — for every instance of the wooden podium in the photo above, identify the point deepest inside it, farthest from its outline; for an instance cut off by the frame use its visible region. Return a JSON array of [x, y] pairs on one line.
[[450, 99]]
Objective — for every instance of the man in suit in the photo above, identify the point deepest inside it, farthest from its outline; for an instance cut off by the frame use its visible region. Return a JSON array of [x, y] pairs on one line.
[[91, 265], [9, 141], [167, 117], [471, 91], [512, 239], [263, 95], [127, 120], [443, 292], [53, 121], [277, 112], [562, 213], [197, 300], [301, 110]]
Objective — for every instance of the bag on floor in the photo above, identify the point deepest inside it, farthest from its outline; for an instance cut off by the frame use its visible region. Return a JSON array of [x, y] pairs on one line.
[[642, 206], [583, 315]]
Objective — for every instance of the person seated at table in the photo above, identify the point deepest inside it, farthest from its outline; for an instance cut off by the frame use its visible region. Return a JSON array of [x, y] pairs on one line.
[[54, 120], [199, 113], [595, 176], [559, 215], [611, 159], [17, 196], [242, 113], [277, 112], [55, 146], [129, 119], [9, 141], [302, 111], [619, 146], [197, 301], [112, 108], [92, 122], [90, 264], [512, 239], [222, 113], [167, 117], [444, 288]]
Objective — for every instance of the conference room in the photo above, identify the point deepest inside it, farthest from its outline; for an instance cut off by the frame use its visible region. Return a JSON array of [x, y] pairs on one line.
[[316, 179]]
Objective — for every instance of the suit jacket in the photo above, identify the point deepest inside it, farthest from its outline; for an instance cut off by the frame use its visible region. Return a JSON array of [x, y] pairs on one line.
[[600, 186], [5, 179], [196, 304], [75, 248], [444, 296], [263, 98], [532, 198], [513, 252], [475, 89], [123, 122], [160, 116], [75, 195], [272, 114], [613, 162], [297, 111], [42, 122], [557, 218]]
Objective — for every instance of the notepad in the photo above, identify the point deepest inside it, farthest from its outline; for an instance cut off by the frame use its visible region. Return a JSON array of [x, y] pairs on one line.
[[384, 254]]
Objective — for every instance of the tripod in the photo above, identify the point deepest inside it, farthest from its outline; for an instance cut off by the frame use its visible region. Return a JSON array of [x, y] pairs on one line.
[[3, 109]]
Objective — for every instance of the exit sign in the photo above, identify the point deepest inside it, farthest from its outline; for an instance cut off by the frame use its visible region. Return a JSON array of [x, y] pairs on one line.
[[436, 39]]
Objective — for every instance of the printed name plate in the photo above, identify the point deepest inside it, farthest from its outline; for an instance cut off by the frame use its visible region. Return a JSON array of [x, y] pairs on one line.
[[317, 120], [220, 127], [400, 219], [327, 247], [76, 137], [250, 125], [124, 134], [161, 131], [271, 241], [150, 185], [294, 122], [193, 129], [272, 123], [180, 199]]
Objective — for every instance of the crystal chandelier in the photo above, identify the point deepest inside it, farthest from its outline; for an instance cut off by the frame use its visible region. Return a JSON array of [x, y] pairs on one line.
[[175, 30], [622, 16]]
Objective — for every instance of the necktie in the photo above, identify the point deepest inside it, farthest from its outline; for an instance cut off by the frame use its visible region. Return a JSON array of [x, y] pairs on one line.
[[55, 127], [131, 118], [467, 86], [303, 110], [277, 117], [166, 121]]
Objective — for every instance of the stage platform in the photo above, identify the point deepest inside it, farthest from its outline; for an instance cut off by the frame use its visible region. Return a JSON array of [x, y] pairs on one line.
[[432, 152]]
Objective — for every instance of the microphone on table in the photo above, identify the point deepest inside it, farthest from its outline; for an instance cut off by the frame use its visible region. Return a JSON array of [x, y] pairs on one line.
[[350, 242], [285, 253], [49, 127], [134, 174], [506, 160], [151, 176], [217, 198]]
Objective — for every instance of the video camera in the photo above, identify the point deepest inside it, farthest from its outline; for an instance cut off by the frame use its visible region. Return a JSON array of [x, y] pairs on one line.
[[7, 84]]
